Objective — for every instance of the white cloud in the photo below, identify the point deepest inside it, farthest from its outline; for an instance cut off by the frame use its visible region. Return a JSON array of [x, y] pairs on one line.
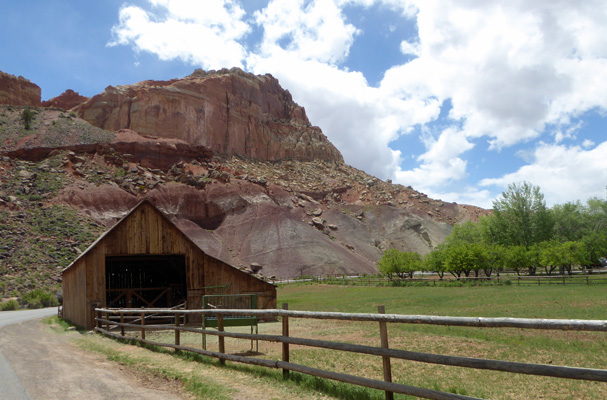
[[510, 68], [441, 163], [564, 173], [202, 33], [308, 30]]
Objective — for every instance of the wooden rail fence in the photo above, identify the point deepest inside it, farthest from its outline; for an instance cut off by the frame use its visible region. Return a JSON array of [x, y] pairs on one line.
[[109, 319], [499, 280]]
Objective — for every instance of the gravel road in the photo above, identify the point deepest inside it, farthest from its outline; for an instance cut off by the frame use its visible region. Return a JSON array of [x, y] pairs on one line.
[[45, 365]]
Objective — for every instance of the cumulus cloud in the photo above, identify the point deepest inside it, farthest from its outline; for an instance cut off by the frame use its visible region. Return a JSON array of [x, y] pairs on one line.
[[203, 33], [307, 30], [441, 162], [510, 70], [562, 172]]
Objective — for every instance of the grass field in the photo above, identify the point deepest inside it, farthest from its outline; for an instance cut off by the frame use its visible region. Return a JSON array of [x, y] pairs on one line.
[[547, 347]]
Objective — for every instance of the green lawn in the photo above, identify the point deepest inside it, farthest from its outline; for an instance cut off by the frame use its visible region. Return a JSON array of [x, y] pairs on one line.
[[535, 346], [573, 302]]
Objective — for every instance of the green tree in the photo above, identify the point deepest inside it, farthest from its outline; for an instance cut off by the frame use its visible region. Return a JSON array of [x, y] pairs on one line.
[[411, 262], [516, 258], [571, 221], [496, 259], [389, 261], [520, 217], [597, 213], [468, 232], [27, 116], [595, 245], [400, 263], [435, 261], [464, 258]]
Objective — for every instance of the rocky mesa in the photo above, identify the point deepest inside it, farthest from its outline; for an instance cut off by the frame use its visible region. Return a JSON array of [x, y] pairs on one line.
[[18, 91], [228, 111]]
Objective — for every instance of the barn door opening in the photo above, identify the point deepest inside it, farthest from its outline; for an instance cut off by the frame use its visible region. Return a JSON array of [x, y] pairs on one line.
[[145, 281]]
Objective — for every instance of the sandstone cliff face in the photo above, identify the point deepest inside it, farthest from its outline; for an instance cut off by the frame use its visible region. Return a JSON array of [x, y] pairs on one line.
[[18, 91], [66, 100], [229, 112]]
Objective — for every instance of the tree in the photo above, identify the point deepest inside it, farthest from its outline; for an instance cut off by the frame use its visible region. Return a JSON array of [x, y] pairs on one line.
[[516, 258], [468, 232], [435, 261], [571, 221], [496, 259], [597, 213], [400, 263], [463, 258], [389, 261], [520, 217], [595, 245]]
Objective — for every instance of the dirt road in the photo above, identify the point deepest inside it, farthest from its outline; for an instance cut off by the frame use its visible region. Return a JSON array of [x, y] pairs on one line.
[[50, 367]]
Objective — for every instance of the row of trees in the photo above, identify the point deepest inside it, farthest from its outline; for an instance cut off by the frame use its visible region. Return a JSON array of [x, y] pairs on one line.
[[522, 235]]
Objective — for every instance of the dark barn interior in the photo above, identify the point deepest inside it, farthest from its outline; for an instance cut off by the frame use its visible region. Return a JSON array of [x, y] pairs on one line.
[[145, 280]]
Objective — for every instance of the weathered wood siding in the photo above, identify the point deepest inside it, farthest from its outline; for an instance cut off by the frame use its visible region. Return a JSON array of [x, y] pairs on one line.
[[146, 231], [74, 294], [219, 273]]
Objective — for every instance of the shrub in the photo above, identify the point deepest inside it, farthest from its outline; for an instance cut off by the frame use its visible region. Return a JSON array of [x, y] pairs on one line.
[[27, 116], [9, 305], [38, 298]]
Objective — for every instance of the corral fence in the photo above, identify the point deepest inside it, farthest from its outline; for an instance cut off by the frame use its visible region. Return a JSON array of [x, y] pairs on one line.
[[110, 320], [515, 280]]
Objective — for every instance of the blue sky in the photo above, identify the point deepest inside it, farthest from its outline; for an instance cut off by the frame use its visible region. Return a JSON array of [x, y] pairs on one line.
[[454, 98]]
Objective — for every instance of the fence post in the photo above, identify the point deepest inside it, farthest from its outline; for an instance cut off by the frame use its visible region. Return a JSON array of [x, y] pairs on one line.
[[98, 318], [177, 331], [222, 347], [285, 346], [122, 322], [383, 332], [143, 326]]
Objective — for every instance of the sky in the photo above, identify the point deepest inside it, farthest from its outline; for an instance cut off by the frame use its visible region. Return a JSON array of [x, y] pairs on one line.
[[457, 99]]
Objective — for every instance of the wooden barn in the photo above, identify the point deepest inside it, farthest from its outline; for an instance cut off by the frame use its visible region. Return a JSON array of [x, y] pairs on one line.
[[146, 261]]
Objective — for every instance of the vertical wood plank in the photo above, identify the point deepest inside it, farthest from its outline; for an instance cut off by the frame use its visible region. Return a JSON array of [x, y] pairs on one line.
[[285, 346], [222, 348], [122, 322], [383, 332], [143, 326], [177, 331]]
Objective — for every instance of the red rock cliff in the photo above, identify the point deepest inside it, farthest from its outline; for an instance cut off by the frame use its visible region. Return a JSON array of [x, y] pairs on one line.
[[18, 91], [228, 111], [66, 100]]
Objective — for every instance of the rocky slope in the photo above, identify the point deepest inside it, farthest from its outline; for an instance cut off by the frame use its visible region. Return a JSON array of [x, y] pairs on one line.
[[287, 209]]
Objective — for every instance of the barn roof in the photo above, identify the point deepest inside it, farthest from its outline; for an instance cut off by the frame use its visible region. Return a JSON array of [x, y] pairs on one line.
[[167, 220]]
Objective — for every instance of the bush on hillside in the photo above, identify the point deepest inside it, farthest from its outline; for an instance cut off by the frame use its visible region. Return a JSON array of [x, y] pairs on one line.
[[39, 298], [9, 305]]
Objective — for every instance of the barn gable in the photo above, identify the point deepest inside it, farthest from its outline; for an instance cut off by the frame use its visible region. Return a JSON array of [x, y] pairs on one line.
[[145, 260]]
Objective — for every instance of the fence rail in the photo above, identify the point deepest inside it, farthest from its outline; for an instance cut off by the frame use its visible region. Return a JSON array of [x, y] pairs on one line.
[[108, 319], [518, 280]]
